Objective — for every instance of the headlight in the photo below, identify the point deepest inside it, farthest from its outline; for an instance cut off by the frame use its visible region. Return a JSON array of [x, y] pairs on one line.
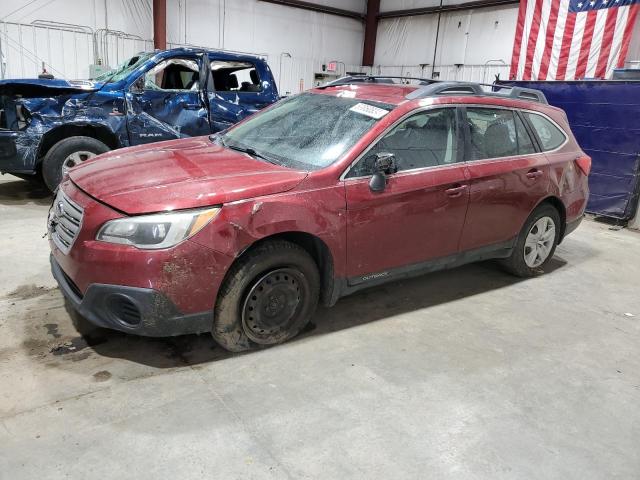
[[161, 230]]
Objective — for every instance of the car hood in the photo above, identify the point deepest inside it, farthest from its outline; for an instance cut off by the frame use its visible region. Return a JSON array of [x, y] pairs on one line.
[[36, 87], [179, 174]]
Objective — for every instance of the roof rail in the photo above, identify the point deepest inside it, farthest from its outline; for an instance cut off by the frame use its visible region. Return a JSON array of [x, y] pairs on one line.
[[364, 78], [432, 88], [483, 89]]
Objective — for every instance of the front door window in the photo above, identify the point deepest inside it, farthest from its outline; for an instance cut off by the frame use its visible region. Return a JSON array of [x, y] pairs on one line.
[[174, 74], [426, 139]]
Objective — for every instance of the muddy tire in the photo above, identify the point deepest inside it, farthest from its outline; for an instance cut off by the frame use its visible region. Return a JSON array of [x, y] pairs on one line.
[[268, 297], [536, 243], [66, 154]]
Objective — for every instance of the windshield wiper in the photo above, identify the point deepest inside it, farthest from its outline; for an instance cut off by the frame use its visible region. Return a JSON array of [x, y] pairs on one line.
[[247, 150]]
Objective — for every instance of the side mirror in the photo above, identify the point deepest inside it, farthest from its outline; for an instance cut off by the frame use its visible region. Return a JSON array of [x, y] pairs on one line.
[[384, 164]]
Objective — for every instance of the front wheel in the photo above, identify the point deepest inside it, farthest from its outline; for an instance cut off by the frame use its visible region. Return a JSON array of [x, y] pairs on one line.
[[66, 154], [268, 297], [536, 243]]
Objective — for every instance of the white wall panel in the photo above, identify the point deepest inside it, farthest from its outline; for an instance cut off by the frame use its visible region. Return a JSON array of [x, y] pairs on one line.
[[131, 16], [491, 34], [406, 40], [472, 44], [311, 38]]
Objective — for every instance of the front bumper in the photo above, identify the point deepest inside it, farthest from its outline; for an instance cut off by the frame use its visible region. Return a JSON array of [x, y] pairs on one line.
[[141, 311], [18, 151], [187, 275]]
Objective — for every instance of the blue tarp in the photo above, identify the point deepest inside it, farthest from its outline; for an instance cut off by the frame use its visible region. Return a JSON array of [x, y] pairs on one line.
[[605, 118]]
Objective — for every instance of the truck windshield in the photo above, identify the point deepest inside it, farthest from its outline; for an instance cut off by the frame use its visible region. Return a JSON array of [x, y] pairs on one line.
[[307, 131], [123, 70]]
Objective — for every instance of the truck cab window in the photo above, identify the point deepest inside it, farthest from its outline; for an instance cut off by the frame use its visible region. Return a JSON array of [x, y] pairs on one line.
[[231, 76], [173, 74]]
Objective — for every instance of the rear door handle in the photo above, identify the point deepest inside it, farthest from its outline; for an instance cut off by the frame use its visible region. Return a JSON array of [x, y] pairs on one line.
[[456, 191], [535, 173]]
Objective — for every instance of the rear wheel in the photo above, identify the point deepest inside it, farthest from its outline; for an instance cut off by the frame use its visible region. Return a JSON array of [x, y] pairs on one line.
[[67, 154], [536, 243], [267, 298]]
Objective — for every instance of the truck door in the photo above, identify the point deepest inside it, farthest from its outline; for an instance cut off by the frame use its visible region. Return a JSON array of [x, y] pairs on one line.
[[168, 102]]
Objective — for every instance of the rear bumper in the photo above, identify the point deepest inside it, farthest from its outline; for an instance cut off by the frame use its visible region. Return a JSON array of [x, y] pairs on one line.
[[571, 226], [141, 311]]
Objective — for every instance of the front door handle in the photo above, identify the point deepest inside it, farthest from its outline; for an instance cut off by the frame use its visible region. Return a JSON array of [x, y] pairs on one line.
[[190, 106], [535, 173], [456, 190]]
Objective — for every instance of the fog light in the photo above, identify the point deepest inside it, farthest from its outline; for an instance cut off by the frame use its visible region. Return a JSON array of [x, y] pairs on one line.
[[124, 310]]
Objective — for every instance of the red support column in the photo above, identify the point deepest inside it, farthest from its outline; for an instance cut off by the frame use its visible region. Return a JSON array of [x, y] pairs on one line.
[[370, 32], [160, 24]]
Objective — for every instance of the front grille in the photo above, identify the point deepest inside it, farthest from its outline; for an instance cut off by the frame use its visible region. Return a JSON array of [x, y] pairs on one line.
[[65, 221]]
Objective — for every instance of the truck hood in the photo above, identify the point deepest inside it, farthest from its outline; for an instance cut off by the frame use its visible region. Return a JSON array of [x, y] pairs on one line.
[[179, 174], [36, 87]]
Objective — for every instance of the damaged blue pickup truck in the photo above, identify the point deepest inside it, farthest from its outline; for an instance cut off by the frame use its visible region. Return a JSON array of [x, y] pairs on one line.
[[49, 126]]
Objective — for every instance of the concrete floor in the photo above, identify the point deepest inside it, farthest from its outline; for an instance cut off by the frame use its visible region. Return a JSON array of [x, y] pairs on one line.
[[468, 373]]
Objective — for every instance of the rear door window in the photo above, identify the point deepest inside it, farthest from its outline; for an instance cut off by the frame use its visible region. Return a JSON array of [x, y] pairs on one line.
[[234, 76], [496, 133], [551, 137]]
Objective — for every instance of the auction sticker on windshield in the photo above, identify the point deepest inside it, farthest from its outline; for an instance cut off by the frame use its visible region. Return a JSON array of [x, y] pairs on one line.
[[369, 110]]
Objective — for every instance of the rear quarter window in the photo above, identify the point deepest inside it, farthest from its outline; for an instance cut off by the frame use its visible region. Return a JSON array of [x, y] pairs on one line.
[[551, 137]]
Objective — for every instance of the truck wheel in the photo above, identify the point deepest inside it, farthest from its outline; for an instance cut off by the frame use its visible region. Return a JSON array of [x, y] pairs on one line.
[[66, 154], [536, 243], [268, 297]]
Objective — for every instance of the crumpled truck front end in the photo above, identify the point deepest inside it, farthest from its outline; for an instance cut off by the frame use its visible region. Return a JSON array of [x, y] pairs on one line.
[[30, 109]]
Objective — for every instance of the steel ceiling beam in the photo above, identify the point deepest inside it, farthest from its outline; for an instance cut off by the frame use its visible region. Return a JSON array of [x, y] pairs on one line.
[[160, 24], [314, 7], [411, 12], [370, 32]]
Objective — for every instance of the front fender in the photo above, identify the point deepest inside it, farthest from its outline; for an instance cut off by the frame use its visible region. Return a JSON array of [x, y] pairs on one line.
[[320, 213]]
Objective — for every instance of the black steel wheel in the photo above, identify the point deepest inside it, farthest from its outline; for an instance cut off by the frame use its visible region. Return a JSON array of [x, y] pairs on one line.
[[268, 296], [272, 305]]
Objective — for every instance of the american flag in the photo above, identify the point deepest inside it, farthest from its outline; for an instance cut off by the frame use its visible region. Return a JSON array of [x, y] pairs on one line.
[[571, 39]]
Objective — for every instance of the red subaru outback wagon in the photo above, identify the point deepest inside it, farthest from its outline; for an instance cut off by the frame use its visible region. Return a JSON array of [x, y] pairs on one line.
[[340, 188]]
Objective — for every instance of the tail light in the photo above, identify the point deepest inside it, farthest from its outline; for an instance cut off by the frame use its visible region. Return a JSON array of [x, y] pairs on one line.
[[584, 163]]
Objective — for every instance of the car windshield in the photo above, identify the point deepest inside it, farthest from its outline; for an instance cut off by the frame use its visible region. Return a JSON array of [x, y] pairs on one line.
[[306, 131], [124, 69]]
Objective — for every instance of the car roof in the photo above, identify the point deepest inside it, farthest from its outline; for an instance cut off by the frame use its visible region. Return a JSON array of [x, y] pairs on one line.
[[223, 55], [390, 93]]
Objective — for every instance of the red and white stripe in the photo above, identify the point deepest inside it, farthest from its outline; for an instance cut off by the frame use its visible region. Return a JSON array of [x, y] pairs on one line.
[[552, 43]]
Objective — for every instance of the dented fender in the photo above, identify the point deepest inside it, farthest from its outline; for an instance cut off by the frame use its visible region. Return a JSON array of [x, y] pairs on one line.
[[28, 120], [241, 224]]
